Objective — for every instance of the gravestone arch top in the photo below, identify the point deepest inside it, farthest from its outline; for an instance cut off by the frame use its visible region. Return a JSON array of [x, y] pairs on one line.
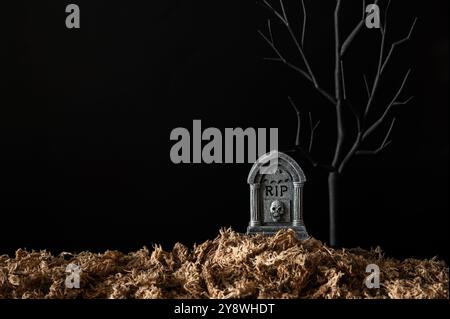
[[264, 163], [276, 195]]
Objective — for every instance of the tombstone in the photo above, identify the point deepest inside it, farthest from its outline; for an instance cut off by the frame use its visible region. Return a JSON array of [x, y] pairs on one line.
[[276, 195]]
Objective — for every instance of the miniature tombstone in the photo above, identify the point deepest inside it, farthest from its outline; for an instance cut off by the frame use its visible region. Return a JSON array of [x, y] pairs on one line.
[[276, 195]]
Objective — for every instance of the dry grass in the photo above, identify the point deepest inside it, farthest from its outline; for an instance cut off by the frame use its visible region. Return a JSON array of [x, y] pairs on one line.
[[230, 266]]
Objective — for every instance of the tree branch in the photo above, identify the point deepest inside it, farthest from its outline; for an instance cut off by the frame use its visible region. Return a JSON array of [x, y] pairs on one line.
[[338, 88], [304, 23], [340, 97], [283, 11], [299, 121], [275, 12], [355, 32], [308, 74], [343, 80], [395, 44], [282, 59], [311, 160], [363, 135], [269, 26], [355, 113], [386, 112], [386, 142], [351, 152], [404, 102], [313, 128], [364, 10], [299, 48], [298, 148], [378, 75], [366, 85]]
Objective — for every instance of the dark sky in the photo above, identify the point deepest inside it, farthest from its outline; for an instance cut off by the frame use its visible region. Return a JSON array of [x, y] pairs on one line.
[[86, 115]]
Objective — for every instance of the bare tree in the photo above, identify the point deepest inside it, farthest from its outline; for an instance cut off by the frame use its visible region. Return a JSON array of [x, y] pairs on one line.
[[364, 128]]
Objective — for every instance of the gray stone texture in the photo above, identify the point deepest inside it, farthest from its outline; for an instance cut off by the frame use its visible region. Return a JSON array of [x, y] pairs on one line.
[[276, 195]]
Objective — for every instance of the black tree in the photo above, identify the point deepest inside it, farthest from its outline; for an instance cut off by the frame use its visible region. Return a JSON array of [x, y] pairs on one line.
[[342, 154]]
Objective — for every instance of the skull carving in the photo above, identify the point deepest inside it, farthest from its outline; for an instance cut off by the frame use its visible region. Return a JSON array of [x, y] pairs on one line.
[[276, 210]]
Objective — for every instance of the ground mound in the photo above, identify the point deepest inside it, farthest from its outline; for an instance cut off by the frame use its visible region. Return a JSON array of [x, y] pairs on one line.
[[231, 266]]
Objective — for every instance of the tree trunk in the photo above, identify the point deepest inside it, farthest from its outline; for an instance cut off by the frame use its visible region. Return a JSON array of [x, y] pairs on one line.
[[333, 179]]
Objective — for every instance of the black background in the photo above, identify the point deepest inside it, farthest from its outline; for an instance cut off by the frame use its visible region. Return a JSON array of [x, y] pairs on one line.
[[85, 119]]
